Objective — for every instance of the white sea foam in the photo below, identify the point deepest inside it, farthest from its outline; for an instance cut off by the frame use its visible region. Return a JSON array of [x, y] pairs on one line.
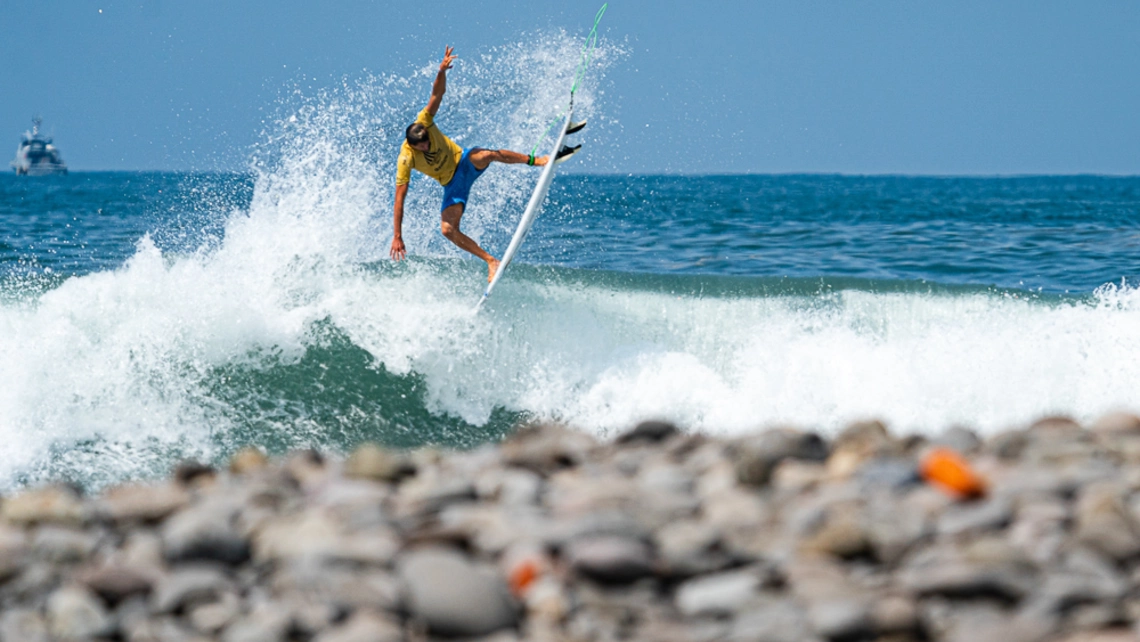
[[603, 359]]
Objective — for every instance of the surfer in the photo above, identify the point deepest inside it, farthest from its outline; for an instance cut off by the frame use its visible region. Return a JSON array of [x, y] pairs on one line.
[[427, 150]]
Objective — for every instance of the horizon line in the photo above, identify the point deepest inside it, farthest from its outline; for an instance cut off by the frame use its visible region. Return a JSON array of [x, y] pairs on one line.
[[681, 174]]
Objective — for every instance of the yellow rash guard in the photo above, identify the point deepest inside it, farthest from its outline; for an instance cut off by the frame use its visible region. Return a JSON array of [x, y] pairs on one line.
[[439, 161]]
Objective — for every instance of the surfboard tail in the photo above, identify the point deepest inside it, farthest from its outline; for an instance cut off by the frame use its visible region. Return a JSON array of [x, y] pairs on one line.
[[479, 305]]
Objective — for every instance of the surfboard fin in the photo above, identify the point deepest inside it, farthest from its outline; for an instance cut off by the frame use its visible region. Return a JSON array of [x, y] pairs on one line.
[[574, 127], [566, 152]]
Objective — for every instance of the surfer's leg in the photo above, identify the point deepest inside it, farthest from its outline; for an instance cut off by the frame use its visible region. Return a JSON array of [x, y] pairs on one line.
[[450, 228], [482, 158]]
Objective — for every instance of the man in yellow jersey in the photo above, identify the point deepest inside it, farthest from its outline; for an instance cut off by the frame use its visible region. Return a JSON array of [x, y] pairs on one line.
[[427, 150]]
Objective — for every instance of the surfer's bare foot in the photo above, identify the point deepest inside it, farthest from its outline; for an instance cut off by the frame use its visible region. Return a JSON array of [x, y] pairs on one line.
[[539, 161], [492, 267]]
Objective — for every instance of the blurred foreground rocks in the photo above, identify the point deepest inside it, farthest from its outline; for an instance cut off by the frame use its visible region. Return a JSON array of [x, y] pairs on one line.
[[781, 535]]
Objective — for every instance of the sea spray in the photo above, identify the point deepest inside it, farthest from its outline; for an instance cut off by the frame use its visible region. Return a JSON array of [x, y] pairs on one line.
[[118, 373]]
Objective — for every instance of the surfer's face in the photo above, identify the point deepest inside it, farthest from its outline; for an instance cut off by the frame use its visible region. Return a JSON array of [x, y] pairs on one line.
[[423, 147]]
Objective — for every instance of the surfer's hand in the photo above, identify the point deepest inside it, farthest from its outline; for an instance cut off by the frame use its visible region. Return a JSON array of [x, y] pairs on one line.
[[398, 253], [448, 58]]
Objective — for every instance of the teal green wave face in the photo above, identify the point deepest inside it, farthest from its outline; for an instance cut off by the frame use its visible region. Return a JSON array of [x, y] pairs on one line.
[[333, 398]]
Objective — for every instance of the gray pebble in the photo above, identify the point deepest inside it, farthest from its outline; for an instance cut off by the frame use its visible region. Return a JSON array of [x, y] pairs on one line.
[[718, 594], [63, 545], [841, 618], [987, 515], [188, 586], [609, 559], [895, 614], [117, 582], [691, 547], [452, 597], [205, 532], [755, 457], [51, 505], [74, 613], [1120, 423], [961, 579], [370, 461], [960, 438], [13, 552], [1103, 522], [888, 472], [1085, 577], [510, 487], [23, 625], [363, 626], [269, 622], [143, 503], [775, 620], [546, 448], [649, 432], [341, 587], [212, 617], [867, 438]]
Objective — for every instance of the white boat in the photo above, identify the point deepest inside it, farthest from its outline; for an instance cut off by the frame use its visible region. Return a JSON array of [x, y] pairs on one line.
[[37, 156]]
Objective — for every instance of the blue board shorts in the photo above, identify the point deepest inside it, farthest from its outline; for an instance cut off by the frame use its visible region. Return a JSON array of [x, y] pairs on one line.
[[459, 188]]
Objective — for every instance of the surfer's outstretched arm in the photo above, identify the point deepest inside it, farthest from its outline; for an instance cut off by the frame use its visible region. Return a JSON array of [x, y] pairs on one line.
[[439, 87], [398, 252]]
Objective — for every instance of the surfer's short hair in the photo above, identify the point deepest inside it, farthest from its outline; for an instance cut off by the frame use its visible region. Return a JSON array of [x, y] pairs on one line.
[[416, 134]]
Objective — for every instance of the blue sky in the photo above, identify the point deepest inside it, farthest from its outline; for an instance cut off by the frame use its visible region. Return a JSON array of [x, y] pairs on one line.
[[875, 86]]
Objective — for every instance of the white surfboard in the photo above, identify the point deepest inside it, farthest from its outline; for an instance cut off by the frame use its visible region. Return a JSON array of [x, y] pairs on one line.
[[531, 211]]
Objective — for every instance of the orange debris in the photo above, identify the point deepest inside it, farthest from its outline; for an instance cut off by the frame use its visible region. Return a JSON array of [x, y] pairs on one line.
[[946, 469], [522, 575]]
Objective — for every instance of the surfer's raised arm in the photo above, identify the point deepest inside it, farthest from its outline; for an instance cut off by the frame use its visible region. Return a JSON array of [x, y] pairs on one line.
[[439, 87]]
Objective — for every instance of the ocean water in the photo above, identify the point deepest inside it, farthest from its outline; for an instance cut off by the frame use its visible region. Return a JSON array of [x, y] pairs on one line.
[[149, 317]]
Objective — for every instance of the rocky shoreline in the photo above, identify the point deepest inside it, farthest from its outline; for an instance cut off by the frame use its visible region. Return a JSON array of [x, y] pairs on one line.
[[782, 535]]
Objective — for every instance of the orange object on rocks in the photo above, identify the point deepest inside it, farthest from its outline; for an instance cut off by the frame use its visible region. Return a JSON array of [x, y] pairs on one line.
[[946, 469], [523, 574]]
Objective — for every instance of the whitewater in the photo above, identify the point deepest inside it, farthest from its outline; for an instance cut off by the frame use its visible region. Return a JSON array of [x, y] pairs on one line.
[[261, 309]]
